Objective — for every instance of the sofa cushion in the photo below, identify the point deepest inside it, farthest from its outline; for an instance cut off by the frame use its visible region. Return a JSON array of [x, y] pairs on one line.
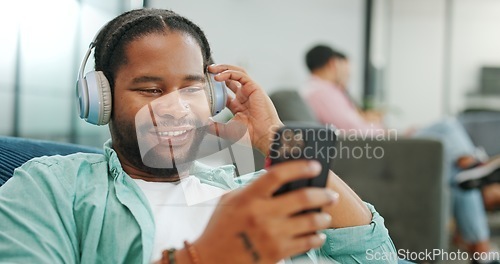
[[291, 107]]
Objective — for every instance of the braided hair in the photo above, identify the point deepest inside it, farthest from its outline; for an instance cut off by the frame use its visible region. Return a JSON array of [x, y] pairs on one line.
[[111, 40]]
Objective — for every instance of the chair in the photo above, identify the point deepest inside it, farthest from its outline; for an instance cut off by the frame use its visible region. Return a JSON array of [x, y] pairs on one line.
[[483, 128], [406, 185], [291, 107], [16, 151]]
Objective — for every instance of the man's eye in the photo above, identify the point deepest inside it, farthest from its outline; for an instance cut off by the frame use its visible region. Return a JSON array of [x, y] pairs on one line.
[[152, 91], [193, 89]]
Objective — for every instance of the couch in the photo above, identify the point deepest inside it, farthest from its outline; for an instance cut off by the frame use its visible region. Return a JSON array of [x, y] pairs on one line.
[[406, 184], [484, 129], [16, 151]]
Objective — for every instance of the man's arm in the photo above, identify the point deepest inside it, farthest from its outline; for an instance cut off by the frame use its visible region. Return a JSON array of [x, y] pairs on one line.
[[36, 218], [252, 107]]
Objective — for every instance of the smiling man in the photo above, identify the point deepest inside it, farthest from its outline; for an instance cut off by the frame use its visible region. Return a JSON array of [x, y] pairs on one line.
[[135, 204]]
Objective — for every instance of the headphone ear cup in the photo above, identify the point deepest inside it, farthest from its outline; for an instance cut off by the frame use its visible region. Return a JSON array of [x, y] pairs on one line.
[[217, 94], [107, 98], [99, 98], [82, 95]]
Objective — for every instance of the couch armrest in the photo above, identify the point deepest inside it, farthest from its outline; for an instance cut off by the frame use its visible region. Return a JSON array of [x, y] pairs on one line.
[[404, 180]]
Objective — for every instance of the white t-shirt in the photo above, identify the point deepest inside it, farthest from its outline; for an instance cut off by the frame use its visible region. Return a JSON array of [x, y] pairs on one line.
[[189, 200]]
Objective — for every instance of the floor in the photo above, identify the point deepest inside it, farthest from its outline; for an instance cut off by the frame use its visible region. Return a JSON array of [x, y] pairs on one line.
[[494, 221]]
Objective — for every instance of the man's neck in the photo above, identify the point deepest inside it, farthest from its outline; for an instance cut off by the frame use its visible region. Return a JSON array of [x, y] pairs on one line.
[[325, 76], [152, 174]]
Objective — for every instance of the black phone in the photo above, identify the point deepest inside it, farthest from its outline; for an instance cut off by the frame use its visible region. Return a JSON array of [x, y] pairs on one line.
[[309, 142]]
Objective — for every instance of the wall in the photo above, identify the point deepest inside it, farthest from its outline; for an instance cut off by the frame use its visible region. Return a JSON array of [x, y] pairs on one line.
[[436, 50], [427, 75], [49, 45], [270, 38], [475, 43], [414, 92]]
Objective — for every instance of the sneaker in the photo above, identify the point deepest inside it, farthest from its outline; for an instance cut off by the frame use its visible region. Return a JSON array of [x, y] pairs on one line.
[[481, 155], [480, 175]]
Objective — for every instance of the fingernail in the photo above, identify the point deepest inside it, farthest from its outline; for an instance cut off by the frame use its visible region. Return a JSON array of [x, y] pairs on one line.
[[327, 218], [319, 239], [314, 166], [334, 196]]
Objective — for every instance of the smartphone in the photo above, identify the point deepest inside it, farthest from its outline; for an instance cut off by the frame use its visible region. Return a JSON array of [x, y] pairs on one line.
[[310, 142]]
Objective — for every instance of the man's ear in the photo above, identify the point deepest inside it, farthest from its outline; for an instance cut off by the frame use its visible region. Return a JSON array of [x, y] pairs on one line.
[[332, 63], [333, 67]]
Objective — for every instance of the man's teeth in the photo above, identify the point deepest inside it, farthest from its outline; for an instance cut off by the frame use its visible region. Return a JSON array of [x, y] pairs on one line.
[[172, 133]]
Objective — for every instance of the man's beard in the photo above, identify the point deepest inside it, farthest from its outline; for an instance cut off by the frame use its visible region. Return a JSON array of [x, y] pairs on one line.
[[125, 139]]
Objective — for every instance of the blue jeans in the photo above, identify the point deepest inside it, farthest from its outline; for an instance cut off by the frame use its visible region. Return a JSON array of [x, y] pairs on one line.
[[467, 205]]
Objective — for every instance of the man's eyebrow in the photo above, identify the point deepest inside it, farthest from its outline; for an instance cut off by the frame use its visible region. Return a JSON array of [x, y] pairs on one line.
[[195, 78], [143, 79], [189, 77]]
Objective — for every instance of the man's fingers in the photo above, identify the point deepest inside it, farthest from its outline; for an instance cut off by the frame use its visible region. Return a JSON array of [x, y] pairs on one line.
[[218, 68], [233, 85], [303, 199], [234, 76], [282, 173], [305, 243], [305, 224]]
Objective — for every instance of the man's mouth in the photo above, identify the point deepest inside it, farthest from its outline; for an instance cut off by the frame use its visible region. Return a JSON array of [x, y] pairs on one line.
[[171, 133], [174, 136]]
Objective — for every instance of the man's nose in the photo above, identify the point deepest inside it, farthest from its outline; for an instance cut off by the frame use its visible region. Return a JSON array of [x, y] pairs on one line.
[[171, 105]]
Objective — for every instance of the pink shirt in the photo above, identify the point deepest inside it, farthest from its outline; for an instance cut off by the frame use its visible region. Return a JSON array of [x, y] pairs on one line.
[[332, 106]]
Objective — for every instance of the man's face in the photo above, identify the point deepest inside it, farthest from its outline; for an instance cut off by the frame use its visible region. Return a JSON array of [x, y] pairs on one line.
[[160, 106], [342, 72]]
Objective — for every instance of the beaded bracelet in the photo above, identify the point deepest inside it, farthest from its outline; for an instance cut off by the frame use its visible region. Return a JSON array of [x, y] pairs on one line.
[[193, 254], [168, 256]]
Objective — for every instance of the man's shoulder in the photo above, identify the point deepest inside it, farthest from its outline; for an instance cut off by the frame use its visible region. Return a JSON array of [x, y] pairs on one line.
[[76, 159], [316, 87], [69, 170]]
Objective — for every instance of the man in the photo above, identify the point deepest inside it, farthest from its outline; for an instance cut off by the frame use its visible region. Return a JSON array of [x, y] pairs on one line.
[[326, 91], [132, 204]]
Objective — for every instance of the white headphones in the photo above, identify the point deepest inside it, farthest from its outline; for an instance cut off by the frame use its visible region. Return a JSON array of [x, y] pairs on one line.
[[95, 100]]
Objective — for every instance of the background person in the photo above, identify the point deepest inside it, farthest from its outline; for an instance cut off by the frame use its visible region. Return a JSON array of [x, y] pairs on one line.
[[327, 94]]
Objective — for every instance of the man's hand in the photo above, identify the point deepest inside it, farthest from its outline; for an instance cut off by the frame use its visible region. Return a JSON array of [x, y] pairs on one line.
[[250, 225], [251, 106], [373, 116]]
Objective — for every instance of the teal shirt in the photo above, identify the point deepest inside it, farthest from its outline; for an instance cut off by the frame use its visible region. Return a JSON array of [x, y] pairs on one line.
[[83, 208]]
